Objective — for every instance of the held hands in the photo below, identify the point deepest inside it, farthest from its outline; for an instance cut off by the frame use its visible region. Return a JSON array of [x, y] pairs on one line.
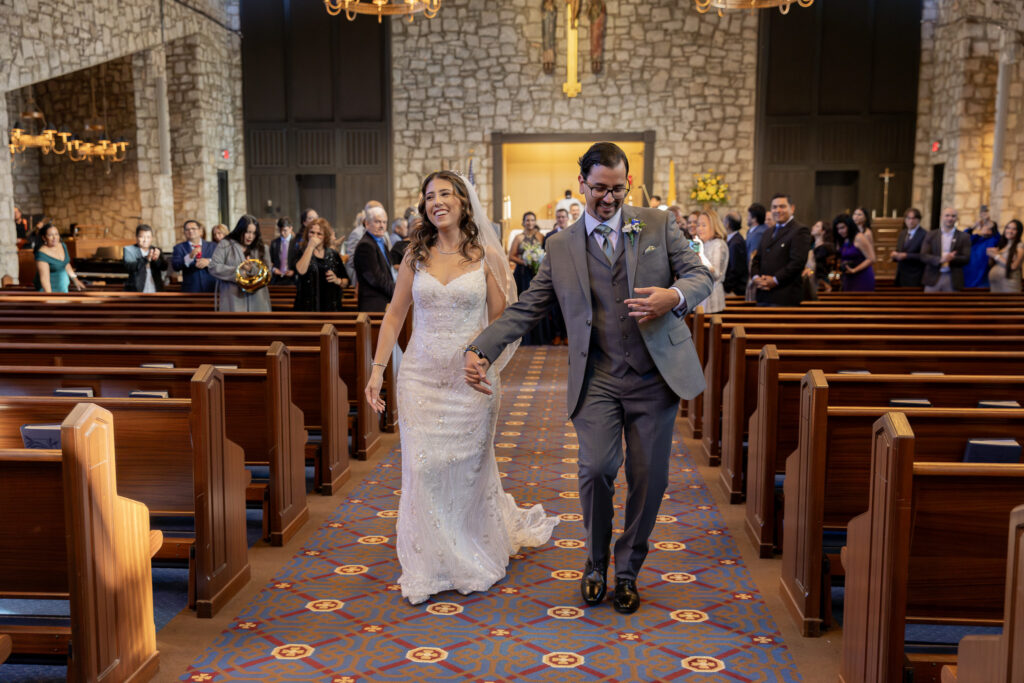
[[947, 257], [899, 255], [657, 302], [202, 263], [476, 373], [372, 391], [764, 282]]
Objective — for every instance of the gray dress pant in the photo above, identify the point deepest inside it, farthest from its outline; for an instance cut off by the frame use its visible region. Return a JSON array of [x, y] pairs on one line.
[[643, 408]]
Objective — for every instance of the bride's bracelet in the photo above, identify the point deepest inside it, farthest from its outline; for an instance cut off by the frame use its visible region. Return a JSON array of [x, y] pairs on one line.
[[380, 365]]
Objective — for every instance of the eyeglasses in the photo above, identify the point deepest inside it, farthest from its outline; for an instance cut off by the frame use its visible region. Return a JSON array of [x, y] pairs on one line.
[[599, 191]]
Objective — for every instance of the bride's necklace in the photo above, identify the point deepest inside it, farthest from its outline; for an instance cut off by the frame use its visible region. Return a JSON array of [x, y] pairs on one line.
[[446, 253]]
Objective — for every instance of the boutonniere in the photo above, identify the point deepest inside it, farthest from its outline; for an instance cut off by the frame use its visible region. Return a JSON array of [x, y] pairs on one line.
[[649, 249], [633, 229]]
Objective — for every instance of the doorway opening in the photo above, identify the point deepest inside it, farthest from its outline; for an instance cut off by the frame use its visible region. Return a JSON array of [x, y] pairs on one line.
[[938, 175], [533, 172], [835, 192]]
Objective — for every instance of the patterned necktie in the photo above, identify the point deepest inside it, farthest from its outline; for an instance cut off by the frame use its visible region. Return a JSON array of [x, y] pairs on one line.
[[606, 246]]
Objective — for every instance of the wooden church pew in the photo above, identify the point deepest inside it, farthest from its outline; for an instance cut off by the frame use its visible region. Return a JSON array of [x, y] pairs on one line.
[[998, 659], [260, 417], [69, 535], [351, 347], [717, 370], [775, 424], [828, 480], [930, 549], [739, 397], [317, 388], [173, 456]]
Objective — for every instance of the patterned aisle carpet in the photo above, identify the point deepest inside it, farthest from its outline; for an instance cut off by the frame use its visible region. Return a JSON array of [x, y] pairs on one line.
[[334, 614]]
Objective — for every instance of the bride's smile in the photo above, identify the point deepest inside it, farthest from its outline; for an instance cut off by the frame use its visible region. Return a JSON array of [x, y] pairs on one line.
[[442, 204]]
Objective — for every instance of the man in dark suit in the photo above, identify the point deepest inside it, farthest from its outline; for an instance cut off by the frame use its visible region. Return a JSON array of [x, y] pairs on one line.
[[910, 268], [371, 263], [779, 262], [192, 257], [144, 263], [737, 272], [945, 252], [280, 247]]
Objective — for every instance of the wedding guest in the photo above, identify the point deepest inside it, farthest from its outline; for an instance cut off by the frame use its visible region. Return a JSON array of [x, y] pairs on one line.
[[398, 250], [945, 252], [530, 239], [984, 236], [777, 266], [192, 257], [399, 231], [984, 222], [358, 231], [755, 228], [144, 263], [34, 240], [53, 264], [219, 232], [680, 219], [524, 250], [559, 334], [371, 263], [1005, 274], [20, 224], [320, 274], [280, 253], [241, 244], [691, 224], [822, 253], [712, 234], [737, 273], [656, 203], [863, 221], [575, 211], [565, 202], [910, 268], [856, 255]]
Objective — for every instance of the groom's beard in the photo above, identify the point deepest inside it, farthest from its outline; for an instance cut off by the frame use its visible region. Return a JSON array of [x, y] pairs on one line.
[[606, 210]]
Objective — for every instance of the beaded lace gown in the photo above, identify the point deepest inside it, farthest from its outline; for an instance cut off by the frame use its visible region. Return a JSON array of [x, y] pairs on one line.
[[456, 525]]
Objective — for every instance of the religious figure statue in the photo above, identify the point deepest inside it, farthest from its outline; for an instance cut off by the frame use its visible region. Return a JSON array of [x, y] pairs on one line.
[[597, 12], [549, 19]]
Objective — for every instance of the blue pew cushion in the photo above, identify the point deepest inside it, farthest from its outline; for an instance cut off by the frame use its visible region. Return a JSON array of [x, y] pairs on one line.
[[992, 450]]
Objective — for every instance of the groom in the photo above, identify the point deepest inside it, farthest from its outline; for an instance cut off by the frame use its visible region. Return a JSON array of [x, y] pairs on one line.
[[624, 279]]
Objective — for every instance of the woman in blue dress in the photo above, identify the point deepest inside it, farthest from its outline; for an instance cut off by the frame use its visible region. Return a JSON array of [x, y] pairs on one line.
[[53, 264], [856, 255], [982, 238]]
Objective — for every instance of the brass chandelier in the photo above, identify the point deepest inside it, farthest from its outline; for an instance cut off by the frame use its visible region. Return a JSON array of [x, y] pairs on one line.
[[704, 6], [382, 8], [47, 140]]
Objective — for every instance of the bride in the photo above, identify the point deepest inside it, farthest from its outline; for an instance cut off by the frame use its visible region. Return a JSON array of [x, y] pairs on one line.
[[456, 525]]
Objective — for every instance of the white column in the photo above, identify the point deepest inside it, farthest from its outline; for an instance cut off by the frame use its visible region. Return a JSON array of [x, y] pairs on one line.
[[156, 186], [1000, 188], [8, 234]]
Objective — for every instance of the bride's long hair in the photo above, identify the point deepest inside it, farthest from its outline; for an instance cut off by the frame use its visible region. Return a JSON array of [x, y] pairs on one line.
[[424, 237]]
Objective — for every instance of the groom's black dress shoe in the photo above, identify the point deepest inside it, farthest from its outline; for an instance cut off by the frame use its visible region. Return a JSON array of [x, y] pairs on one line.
[[627, 599], [594, 584]]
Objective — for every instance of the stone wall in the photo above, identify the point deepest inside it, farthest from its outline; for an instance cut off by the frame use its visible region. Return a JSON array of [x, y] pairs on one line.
[[93, 193], [25, 165], [203, 76], [476, 69], [962, 43]]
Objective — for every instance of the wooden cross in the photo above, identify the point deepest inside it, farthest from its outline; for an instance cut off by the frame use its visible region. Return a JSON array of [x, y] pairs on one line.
[[886, 177], [572, 86]]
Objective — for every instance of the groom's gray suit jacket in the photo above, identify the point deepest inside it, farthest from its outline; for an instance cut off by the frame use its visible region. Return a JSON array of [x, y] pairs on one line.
[[658, 258]]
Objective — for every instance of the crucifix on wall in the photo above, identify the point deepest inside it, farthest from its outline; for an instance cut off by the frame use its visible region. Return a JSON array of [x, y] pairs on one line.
[[886, 178]]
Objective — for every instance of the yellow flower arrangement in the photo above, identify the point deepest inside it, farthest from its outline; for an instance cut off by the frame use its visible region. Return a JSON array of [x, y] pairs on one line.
[[709, 188]]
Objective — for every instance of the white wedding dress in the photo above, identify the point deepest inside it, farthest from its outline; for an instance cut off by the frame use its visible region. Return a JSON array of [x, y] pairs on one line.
[[456, 525]]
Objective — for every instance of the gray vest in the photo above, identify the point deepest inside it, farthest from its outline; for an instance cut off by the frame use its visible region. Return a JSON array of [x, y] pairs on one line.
[[615, 343]]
